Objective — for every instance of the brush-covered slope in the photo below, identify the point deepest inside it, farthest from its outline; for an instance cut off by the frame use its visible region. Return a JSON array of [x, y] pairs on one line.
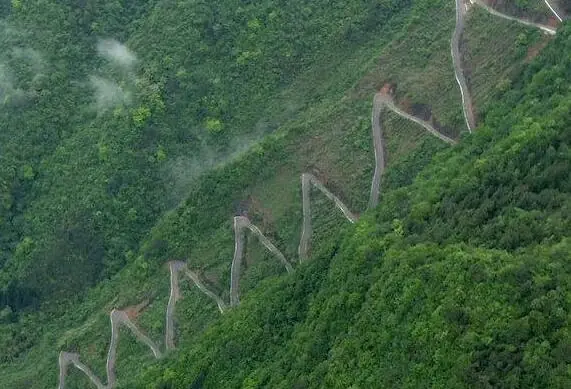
[[461, 279]]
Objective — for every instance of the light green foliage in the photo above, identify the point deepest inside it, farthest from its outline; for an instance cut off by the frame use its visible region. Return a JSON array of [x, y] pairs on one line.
[[161, 154], [140, 115], [28, 172], [214, 126]]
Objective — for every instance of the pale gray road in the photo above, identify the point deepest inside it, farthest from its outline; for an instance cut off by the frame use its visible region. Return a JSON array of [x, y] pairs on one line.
[[194, 277], [379, 148], [71, 358], [381, 101], [547, 29], [553, 9], [174, 267], [119, 318], [467, 105], [242, 223], [306, 181]]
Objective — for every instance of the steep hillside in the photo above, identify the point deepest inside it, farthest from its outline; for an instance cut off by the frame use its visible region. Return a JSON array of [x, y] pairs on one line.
[[314, 104], [109, 114], [220, 115], [458, 280]]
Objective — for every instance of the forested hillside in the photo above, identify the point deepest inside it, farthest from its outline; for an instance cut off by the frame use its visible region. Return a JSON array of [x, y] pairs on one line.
[[458, 280], [110, 109], [131, 134]]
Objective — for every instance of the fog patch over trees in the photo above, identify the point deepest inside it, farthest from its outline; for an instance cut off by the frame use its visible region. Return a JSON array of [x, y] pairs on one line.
[[114, 88], [109, 94], [116, 53]]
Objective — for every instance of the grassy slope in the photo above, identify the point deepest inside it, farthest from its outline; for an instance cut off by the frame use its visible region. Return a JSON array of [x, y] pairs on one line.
[[330, 137], [489, 67]]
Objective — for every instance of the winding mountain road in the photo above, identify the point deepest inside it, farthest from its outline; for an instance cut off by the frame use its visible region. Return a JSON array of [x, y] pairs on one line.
[[65, 359], [306, 231], [117, 318], [379, 149], [222, 307], [381, 101], [241, 224], [120, 318]]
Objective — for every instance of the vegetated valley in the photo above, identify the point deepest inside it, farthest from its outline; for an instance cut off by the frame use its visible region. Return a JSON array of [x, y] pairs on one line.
[[268, 194]]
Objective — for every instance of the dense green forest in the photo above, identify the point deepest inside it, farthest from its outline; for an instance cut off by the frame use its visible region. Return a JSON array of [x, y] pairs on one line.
[[132, 132]]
